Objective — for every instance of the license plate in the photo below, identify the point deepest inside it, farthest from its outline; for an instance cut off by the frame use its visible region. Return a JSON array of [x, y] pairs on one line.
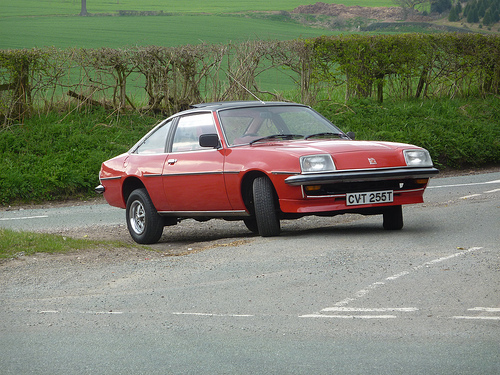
[[370, 197]]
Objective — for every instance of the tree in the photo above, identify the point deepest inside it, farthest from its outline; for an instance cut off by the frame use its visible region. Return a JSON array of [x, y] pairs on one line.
[[453, 16], [488, 17], [473, 16], [84, 8], [440, 6], [408, 5]]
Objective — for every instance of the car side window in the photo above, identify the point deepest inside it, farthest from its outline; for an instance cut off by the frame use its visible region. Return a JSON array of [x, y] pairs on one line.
[[189, 129], [156, 142]]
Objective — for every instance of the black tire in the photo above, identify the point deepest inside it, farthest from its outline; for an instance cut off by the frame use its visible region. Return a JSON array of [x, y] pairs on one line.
[[251, 224], [143, 222], [393, 218], [266, 214]]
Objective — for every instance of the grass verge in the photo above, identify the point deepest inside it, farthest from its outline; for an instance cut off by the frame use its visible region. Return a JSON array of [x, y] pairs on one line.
[[14, 243], [58, 156], [458, 133]]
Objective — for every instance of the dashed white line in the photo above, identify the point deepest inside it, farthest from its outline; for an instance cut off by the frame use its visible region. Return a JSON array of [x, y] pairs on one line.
[[461, 185], [211, 314], [23, 218], [492, 191], [83, 312], [485, 309], [341, 305], [477, 317], [480, 317], [348, 316], [397, 276], [376, 309]]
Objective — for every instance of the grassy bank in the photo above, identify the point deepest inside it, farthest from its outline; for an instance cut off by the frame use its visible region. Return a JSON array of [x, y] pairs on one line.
[[14, 243], [458, 133], [57, 156]]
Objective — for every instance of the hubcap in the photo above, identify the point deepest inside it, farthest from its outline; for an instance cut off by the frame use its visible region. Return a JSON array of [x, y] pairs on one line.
[[137, 217]]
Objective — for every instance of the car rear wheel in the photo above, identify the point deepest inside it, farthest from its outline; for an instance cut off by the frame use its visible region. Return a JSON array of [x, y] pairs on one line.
[[266, 214], [143, 222], [393, 218]]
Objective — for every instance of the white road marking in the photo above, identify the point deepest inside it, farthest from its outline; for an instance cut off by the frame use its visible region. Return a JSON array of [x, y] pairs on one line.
[[461, 185], [486, 309], [376, 309], [492, 191], [480, 317], [477, 317], [470, 184], [103, 312], [211, 314], [397, 276], [83, 312], [23, 218], [348, 316], [340, 306]]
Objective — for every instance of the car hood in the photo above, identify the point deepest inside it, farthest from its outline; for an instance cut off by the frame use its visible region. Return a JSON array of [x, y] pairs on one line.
[[346, 154]]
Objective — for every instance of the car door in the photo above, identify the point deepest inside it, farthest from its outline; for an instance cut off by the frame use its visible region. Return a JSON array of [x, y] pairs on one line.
[[193, 177], [147, 161]]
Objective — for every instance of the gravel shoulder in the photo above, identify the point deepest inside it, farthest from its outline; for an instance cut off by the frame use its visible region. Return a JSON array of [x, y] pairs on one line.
[[186, 238]]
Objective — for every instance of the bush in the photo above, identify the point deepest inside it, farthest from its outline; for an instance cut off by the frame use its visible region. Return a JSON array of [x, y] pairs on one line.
[[59, 156], [458, 133]]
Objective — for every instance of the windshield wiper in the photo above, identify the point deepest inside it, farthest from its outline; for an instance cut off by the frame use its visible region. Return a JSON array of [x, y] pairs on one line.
[[277, 136], [325, 134]]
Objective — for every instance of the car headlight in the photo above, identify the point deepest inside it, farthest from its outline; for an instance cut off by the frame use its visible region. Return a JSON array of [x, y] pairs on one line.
[[317, 163], [417, 158]]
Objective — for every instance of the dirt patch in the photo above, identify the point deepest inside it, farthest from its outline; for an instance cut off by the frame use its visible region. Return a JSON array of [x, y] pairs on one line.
[[349, 12], [339, 10]]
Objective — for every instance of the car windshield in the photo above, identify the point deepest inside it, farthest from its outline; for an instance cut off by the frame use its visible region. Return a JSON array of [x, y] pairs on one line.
[[252, 124]]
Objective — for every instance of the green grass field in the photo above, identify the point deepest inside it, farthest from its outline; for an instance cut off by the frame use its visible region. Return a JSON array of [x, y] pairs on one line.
[[119, 32], [21, 8], [42, 23]]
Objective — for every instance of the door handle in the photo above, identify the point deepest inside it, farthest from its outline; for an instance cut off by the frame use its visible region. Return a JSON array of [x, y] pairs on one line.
[[171, 161]]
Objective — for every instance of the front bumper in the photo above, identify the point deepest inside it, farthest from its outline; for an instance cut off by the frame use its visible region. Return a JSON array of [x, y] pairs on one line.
[[358, 175], [99, 189]]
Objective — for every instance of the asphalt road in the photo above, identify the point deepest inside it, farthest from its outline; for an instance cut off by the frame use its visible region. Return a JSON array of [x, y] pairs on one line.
[[329, 296]]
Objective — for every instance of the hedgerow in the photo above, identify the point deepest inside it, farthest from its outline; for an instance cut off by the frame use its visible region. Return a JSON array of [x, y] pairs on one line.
[[66, 111], [58, 155], [167, 79]]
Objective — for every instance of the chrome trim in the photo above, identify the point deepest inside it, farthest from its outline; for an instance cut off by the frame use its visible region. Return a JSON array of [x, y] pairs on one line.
[[99, 189], [205, 213], [152, 175], [361, 175], [110, 178], [287, 173], [395, 192], [190, 174]]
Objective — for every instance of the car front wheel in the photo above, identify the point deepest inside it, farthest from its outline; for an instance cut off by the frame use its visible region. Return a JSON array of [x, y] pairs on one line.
[[393, 218], [143, 222], [266, 214]]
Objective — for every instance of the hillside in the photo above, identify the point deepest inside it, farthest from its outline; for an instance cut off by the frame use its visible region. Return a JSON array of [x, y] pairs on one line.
[[333, 16]]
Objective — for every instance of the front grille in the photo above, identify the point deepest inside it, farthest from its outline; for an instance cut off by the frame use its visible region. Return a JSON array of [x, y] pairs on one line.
[[362, 186]]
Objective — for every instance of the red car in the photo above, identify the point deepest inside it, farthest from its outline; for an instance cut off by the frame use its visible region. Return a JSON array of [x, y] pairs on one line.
[[259, 162]]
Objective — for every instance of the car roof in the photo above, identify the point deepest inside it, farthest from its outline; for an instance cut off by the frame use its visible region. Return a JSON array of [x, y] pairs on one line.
[[214, 106]]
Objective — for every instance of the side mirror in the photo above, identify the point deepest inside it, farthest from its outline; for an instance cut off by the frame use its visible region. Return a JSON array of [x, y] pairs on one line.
[[209, 140], [351, 135]]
